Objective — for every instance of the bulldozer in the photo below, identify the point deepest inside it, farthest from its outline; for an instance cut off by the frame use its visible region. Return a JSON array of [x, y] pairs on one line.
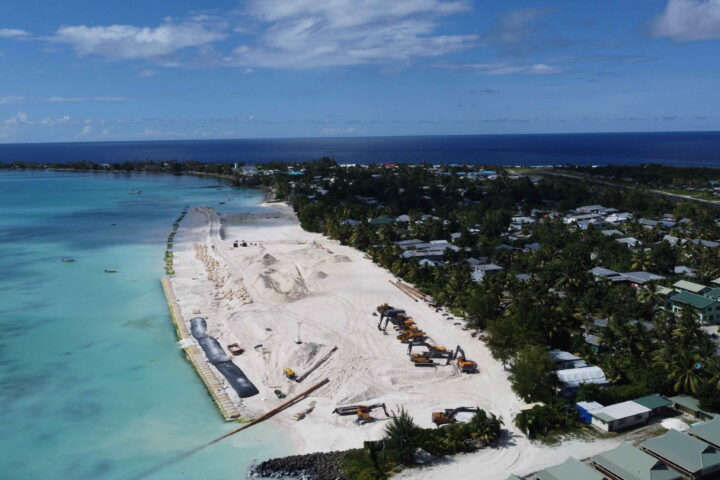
[[362, 412], [447, 416], [290, 373], [463, 363]]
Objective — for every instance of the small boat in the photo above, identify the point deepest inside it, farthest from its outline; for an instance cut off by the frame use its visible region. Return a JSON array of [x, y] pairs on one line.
[[68, 259], [110, 271], [134, 191]]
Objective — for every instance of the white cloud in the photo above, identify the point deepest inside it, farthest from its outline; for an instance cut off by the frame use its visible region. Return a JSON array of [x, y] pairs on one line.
[[51, 122], [340, 131], [20, 118], [503, 68], [308, 33], [56, 99], [11, 99], [688, 20], [13, 33], [130, 42]]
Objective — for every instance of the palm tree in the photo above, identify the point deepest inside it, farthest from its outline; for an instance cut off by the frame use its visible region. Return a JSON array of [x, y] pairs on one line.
[[403, 432], [681, 366], [455, 438]]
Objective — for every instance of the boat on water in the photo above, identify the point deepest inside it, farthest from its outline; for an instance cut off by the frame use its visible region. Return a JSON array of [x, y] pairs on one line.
[[110, 271], [134, 191], [68, 259]]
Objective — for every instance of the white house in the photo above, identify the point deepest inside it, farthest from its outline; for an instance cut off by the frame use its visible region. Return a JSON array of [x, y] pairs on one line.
[[620, 416]]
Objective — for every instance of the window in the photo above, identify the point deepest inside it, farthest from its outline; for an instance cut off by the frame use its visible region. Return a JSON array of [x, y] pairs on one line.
[[638, 417], [622, 421]]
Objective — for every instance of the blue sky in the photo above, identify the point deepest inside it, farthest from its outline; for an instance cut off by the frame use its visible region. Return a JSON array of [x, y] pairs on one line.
[[83, 70]]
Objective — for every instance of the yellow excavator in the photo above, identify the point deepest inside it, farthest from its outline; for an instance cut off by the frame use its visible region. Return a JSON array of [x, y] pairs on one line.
[[411, 335], [362, 412], [447, 416], [422, 360], [463, 363], [290, 373]]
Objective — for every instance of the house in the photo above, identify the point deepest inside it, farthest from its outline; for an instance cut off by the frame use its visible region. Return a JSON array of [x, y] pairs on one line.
[[716, 281], [480, 271], [600, 272], [636, 279], [565, 360], [685, 286], [402, 218], [351, 222], [683, 270], [688, 455], [631, 242], [411, 243], [570, 470], [629, 463], [706, 308], [591, 209], [655, 402], [619, 217], [584, 409], [648, 223], [572, 378], [690, 406], [474, 261], [381, 221], [620, 416], [708, 432], [706, 243], [595, 343], [611, 233], [531, 247]]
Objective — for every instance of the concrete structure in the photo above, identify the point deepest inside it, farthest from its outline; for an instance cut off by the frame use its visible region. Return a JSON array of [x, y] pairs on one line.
[[690, 456], [629, 463], [705, 308], [620, 416]]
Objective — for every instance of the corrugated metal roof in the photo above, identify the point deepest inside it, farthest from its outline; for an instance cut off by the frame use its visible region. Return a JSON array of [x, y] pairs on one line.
[[687, 452], [689, 286], [621, 410], [692, 299], [570, 470], [708, 431], [653, 401], [630, 463], [573, 377]]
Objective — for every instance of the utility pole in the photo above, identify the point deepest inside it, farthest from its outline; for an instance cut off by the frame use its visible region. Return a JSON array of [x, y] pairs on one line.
[[297, 340]]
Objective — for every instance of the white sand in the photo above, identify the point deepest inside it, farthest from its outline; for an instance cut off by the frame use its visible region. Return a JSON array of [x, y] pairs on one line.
[[257, 294]]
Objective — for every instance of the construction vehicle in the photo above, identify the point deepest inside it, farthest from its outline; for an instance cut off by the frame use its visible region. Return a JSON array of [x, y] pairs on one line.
[[411, 335], [391, 315], [463, 364], [362, 412], [433, 351], [290, 373], [422, 360], [447, 416]]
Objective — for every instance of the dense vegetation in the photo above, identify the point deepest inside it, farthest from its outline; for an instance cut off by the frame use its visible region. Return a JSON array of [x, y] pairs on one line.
[[403, 439], [653, 174]]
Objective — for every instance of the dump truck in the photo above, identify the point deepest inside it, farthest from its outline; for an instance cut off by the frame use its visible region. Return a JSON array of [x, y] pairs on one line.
[[447, 416]]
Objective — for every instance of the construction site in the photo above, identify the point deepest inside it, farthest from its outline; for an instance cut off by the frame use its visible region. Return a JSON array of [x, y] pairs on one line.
[[291, 309]]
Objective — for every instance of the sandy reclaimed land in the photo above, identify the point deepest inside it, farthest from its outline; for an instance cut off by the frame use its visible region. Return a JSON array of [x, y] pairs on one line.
[[256, 295]]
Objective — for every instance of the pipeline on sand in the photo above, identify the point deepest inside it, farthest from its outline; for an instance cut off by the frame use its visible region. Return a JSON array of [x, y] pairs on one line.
[[262, 418]]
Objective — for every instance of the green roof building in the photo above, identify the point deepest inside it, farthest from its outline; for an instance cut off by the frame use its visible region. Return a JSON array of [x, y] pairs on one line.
[[629, 463], [708, 432], [514, 477], [684, 453], [654, 402], [570, 470], [381, 221], [706, 308], [691, 406]]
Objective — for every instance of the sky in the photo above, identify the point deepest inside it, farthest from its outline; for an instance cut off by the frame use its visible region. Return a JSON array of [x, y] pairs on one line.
[[87, 70]]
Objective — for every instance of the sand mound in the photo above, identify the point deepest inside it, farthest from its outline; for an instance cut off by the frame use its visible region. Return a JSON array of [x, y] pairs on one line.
[[319, 275], [282, 287], [341, 259], [674, 424], [268, 260]]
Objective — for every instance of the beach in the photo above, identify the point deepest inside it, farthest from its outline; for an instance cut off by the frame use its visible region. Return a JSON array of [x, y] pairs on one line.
[[287, 285]]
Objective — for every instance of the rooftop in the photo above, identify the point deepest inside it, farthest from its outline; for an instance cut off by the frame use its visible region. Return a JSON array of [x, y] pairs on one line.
[[630, 463], [570, 470], [697, 301], [684, 451], [708, 431], [619, 410], [653, 401], [689, 286], [574, 377], [690, 403]]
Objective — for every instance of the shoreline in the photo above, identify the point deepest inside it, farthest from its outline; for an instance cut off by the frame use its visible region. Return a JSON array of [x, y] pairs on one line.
[[286, 275]]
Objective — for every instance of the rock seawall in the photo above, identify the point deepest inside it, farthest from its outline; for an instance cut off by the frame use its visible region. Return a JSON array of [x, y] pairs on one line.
[[313, 466]]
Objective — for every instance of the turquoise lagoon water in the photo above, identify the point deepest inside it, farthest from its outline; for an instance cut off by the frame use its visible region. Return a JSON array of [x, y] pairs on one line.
[[92, 382]]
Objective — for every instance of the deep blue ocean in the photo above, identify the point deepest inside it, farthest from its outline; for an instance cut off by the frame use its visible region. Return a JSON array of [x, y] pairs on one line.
[[674, 148]]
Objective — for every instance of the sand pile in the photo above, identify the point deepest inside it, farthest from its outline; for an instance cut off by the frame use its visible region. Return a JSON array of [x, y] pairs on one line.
[[227, 289], [279, 286]]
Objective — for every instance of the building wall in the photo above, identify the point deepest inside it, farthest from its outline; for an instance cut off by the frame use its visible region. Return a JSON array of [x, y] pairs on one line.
[[621, 424]]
